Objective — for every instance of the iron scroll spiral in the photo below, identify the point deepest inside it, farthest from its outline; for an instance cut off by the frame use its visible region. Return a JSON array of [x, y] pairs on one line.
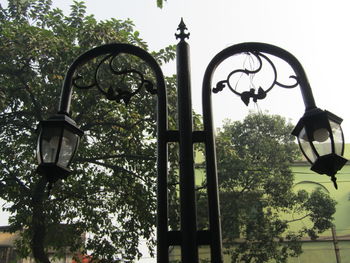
[[119, 91], [261, 58], [116, 92]]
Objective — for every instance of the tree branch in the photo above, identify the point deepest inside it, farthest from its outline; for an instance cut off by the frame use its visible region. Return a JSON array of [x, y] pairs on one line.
[[20, 183], [105, 157], [14, 114], [298, 219], [15, 119], [90, 125], [113, 123], [35, 103], [201, 187], [13, 177], [118, 168], [37, 109]]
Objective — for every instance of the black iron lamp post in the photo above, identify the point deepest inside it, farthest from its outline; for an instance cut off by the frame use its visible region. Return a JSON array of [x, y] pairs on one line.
[[59, 136]]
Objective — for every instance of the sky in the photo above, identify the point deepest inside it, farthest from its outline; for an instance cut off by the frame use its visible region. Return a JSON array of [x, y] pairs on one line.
[[316, 32]]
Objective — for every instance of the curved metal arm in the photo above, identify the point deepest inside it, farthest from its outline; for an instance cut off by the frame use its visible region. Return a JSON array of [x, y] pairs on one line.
[[110, 51], [257, 49]]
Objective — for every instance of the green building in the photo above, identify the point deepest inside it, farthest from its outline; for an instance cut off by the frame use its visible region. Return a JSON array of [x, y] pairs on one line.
[[332, 246]]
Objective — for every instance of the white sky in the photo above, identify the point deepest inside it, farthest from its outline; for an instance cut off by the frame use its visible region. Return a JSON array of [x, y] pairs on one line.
[[315, 31]]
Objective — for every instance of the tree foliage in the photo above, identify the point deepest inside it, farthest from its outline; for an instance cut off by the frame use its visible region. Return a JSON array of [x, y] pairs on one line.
[[256, 191], [160, 3], [111, 193]]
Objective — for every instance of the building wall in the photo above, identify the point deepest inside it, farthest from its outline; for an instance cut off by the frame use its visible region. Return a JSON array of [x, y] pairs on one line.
[[321, 250], [8, 253], [306, 179]]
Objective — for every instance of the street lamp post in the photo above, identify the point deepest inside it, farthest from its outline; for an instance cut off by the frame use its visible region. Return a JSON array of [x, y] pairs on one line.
[[59, 135]]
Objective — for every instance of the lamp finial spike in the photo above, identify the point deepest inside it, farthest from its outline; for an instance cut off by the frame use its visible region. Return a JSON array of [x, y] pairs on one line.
[[182, 27]]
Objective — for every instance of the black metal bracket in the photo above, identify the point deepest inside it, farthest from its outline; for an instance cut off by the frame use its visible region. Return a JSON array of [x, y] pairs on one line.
[[261, 52], [130, 82], [252, 93]]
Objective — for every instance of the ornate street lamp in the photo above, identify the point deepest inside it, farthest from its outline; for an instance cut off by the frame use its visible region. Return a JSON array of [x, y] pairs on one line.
[[59, 136], [58, 141], [319, 133], [321, 140]]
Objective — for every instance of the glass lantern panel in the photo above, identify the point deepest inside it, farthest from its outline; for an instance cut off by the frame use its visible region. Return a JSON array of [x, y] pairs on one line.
[[338, 138], [322, 141], [69, 143], [50, 138], [306, 147]]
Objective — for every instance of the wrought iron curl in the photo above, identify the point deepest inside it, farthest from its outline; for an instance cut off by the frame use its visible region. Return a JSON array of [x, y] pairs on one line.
[[114, 91], [251, 94]]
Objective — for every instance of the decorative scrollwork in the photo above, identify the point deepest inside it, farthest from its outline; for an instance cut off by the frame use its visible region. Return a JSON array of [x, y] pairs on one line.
[[129, 83], [252, 94]]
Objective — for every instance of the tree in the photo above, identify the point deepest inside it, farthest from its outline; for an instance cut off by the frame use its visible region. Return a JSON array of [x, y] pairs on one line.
[[160, 3], [111, 193], [255, 180]]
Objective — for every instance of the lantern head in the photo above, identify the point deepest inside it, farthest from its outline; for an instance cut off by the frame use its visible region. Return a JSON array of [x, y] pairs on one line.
[[58, 141], [321, 140]]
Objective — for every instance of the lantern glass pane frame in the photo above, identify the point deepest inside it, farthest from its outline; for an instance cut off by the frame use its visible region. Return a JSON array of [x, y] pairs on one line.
[[61, 136], [321, 140]]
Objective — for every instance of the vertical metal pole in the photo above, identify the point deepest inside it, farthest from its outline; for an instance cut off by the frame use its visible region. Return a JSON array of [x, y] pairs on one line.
[[189, 250], [211, 170], [335, 243], [162, 173]]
